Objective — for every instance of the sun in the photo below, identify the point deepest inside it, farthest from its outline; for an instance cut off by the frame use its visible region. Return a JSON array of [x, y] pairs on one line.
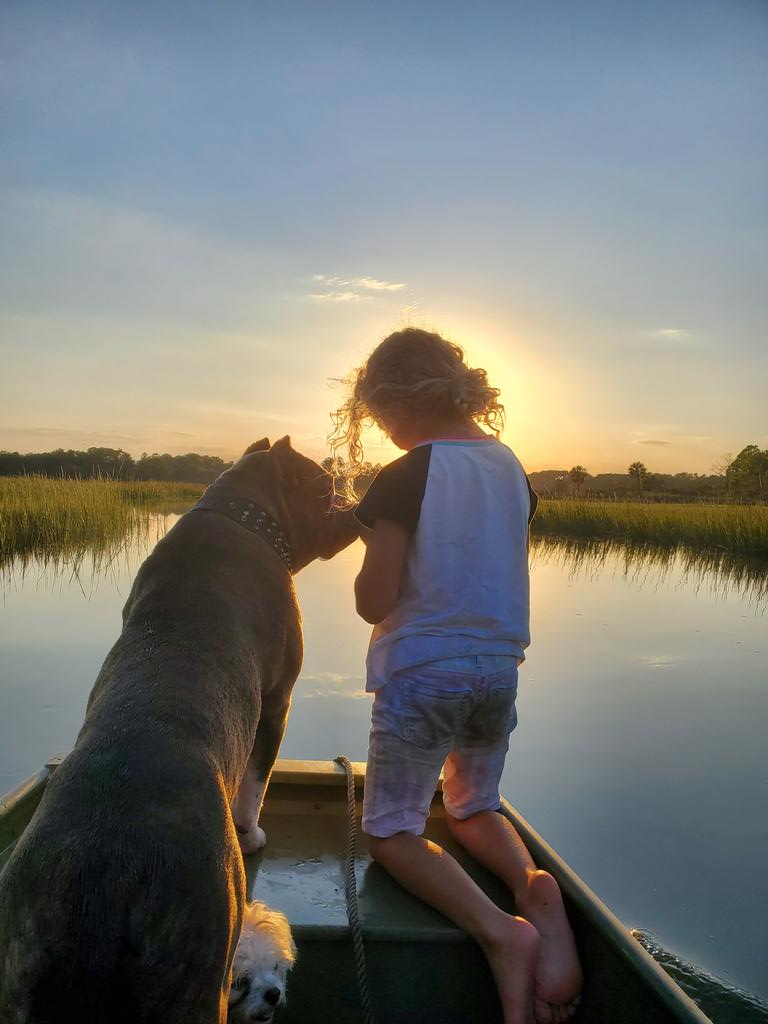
[[535, 406]]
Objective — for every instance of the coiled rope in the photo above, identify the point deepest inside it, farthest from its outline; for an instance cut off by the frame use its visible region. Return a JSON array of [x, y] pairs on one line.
[[350, 885]]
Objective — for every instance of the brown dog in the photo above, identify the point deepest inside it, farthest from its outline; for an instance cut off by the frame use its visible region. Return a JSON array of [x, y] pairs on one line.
[[124, 898]]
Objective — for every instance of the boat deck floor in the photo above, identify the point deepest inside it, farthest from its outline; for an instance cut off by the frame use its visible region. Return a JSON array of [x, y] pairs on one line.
[[302, 868], [421, 967]]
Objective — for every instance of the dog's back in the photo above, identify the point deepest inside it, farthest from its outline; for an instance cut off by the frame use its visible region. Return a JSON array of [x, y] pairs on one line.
[[96, 913], [123, 900]]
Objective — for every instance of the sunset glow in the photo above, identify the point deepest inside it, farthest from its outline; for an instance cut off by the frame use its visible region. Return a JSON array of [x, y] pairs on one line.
[[192, 250]]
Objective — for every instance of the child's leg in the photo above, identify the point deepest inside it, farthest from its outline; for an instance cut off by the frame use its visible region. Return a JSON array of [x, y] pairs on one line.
[[493, 841], [470, 794], [412, 724], [509, 943]]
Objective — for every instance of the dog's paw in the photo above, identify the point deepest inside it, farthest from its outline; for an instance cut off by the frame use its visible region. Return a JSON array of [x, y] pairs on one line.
[[253, 840]]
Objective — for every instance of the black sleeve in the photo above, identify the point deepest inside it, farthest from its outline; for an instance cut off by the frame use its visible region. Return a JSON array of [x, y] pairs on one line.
[[397, 490]]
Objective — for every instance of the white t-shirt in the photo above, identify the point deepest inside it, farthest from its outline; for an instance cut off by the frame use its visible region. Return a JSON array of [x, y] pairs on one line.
[[465, 588]]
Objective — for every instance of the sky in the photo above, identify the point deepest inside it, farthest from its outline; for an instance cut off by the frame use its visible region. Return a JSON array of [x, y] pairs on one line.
[[208, 212]]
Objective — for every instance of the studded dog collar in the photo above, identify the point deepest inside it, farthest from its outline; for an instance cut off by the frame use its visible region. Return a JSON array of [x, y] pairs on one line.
[[248, 514]]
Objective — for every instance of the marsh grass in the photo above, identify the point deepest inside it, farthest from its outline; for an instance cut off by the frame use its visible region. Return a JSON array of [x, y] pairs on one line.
[[716, 547], [63, 519], [740, 531]]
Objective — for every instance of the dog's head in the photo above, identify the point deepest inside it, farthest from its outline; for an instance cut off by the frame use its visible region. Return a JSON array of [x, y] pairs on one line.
[[265, 954], [304, 498]]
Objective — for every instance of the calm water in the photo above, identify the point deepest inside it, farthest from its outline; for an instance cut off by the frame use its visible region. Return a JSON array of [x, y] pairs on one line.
[[640, 754]]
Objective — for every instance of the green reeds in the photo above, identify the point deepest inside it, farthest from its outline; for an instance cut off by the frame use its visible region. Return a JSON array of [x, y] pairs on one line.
[[49, 518], [738, 530]]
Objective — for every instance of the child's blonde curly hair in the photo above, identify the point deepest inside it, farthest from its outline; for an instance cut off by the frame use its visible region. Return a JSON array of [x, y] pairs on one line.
[[411, 370]]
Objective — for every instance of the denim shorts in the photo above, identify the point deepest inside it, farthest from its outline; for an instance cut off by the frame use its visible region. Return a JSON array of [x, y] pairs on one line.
[[457, 713]]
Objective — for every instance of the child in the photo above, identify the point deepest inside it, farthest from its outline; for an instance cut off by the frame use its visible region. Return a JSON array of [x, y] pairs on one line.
[[445, 585]]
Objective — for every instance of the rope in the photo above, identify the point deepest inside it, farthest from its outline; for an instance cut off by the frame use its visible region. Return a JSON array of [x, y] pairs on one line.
[[350, 884]]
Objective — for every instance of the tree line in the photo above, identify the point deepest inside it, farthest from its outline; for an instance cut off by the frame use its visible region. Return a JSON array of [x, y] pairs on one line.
[[743, 477], [120, 465], [115, 463]]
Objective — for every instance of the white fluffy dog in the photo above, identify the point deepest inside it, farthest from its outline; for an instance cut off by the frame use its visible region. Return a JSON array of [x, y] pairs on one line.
[[265, 953]]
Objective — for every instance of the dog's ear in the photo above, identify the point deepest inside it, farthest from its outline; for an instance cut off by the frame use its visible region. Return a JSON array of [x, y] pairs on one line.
[[258, 446], [285, 458]]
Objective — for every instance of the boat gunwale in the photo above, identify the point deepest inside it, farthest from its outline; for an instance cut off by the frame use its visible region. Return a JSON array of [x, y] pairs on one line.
[[15, 797], [12, 803]]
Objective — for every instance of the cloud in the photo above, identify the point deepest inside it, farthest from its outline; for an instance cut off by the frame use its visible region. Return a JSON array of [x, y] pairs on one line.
[[339, 297], [351, 289], [377, 286], [371, 284], [672, 333], [72, 433], [651, 441]]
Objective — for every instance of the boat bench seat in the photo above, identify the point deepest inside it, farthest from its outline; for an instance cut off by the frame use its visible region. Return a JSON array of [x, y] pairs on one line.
[[302, 869]]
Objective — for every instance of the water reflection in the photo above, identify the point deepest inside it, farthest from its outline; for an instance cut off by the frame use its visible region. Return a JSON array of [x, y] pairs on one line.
[[332, 684], [717, 572], [89, 567], [640, 753]]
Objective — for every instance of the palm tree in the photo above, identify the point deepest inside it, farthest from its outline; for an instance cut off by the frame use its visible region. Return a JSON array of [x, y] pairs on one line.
[[639, 472], [578, 475]]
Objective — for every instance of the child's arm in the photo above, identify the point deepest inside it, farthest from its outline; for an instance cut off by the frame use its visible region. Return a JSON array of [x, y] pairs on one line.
[[378, 583]]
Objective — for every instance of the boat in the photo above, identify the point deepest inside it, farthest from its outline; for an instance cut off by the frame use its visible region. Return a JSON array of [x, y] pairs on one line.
[[420, 967]]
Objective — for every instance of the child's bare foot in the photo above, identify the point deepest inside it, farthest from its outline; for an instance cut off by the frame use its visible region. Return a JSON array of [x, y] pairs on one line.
[[557, 977], [512, 953]]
